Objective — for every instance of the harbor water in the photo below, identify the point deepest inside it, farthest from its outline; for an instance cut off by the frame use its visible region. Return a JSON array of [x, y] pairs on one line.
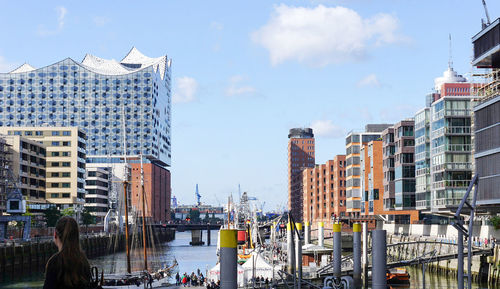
[[190, 259]]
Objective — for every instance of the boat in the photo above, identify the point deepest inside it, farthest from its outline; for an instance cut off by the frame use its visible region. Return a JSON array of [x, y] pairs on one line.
[[398, 277], [148, 277]]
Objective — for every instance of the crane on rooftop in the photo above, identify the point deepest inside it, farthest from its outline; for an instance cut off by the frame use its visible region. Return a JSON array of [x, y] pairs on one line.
[[198, 196]]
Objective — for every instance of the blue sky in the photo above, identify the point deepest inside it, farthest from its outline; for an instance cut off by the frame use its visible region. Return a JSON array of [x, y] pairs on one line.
[[247, 71]]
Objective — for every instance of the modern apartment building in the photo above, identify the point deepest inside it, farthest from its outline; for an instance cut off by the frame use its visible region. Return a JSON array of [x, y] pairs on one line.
[[422, 160], [372, 184], [354, 141], [487, 117], [65, 162], [324, 191], [97, 187], [388, 149], [27, 163], [4, 167], [450, 136], [404, 165], [300, 156]]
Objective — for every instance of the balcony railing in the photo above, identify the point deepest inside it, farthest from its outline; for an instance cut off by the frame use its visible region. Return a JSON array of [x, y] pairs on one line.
[[451, 183], [421, 205], [452, 148], [445, 202], [458, 130]]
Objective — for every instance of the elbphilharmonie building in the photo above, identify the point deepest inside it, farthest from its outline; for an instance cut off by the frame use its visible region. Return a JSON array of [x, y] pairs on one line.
[[118, 104]]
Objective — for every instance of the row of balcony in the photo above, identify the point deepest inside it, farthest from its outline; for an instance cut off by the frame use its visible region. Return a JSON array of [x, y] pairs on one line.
[[451, 183], [452, 148], [452, 166]]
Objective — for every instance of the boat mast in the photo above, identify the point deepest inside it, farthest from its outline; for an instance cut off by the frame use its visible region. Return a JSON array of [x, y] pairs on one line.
[[125, 186], [143, 218]]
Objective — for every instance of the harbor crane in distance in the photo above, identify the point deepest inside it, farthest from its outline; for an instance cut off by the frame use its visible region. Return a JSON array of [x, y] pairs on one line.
[[198, 197], [488, 22]]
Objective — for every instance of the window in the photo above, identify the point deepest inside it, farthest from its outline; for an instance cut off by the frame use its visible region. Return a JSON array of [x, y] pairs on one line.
[[55, 143], [55, 154], [65, 195], [54, 175], [65, 154], [66, 164], [54, 185], [54, 195], [66, 175], [39, 133], [55, 164], [65, 185], [66, 143], [55, 133], [28, 133], [66, 133]]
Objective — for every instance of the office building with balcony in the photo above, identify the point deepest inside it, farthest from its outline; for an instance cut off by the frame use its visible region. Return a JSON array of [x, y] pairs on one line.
[[65, 162], [97, 187], [422, 160], [26, 165], [324, 191], [450, 141], [354, 141], [487, 117], [300, 157]]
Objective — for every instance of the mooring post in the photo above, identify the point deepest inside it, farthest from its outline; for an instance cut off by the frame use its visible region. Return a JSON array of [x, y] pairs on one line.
[[365, 254], [379, 259], [298, 254], [290, 248], [337, 251], [208, 235], [228, 259], [356, 254], [460, 260], [321, 234], [307, 233]]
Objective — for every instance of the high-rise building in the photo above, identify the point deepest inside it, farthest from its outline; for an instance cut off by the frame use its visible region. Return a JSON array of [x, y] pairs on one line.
[[404, 165], [487, 117], [388, 149], [124, 107], [450, 139], [65, 162], [422, 160], [354, 141], [300, 156], [97, 185], [324, 191], [27, 161]]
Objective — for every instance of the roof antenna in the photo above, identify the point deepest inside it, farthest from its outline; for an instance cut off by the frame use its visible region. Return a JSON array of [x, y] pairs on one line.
[[450, 60], [488, 22]]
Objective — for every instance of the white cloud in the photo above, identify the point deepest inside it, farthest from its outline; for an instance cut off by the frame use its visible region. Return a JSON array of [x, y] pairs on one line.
[[61, 15], [185, 90], [5, 66], [325, 128], [100, 21], [237, 87], [324, 35], [370, 80], [216, 25]]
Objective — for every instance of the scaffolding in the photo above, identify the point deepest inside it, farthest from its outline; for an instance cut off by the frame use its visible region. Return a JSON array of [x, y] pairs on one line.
[[490, 86]]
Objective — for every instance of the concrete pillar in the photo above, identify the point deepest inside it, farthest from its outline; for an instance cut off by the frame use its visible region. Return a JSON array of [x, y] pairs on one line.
[[208, 235], [356, 253], [460, 260], [379, 259], [337, 250], [298, 254], [290, 248], [228, 259], [364, 259], [307, 233], [321, 234]]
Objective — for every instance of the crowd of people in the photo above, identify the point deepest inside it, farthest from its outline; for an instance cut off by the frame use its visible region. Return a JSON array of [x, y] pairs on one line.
[[188, 280]]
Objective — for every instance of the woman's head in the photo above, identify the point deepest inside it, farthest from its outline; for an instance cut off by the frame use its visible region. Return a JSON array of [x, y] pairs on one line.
[[67, 233]]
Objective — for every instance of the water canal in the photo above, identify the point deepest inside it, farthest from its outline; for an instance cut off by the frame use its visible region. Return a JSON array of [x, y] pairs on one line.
[[204, 257]]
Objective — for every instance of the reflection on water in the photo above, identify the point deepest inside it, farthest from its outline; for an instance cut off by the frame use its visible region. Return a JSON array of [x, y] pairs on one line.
[[434, 281]]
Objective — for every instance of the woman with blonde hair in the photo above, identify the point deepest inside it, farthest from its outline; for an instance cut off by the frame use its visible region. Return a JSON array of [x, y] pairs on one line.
[[69, 267]]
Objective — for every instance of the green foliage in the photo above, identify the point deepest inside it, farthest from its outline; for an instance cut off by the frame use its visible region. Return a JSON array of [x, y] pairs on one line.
[[68, 212], [207, 217], [194, 215], [52, 214], [495, 222], [87, 218]]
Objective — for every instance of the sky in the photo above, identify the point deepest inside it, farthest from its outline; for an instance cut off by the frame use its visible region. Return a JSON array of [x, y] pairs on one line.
[[245, 72]]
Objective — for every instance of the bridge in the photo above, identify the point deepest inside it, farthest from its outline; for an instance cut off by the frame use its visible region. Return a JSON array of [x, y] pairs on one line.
[[400, 255], [190, 227]]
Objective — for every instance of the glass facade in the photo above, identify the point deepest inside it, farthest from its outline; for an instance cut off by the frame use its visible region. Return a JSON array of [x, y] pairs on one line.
[[131, 105], [422, 159]]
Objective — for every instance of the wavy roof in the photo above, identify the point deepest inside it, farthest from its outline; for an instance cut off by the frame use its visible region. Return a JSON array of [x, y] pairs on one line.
[[133, 61]]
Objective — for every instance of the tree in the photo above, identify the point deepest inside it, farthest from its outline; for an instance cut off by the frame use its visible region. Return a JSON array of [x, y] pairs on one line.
[[207, 217], [52, 214], [87, 218], [194, 215], [68, 212]]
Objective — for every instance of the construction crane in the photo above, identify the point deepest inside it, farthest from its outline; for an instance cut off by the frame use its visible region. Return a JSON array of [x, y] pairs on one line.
[[198, 196], [488, 22]]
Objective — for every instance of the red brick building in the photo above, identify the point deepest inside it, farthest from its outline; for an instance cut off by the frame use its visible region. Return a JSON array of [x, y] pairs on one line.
[[324, 191], [300, 156], [157, 189]]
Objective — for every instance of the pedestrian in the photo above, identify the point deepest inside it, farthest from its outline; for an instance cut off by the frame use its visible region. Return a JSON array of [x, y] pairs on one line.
[[177, 279], [184, 280], [69, 267]]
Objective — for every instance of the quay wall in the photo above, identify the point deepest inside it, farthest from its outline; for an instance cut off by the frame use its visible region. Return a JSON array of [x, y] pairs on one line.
[[480, 231], [27, 258]]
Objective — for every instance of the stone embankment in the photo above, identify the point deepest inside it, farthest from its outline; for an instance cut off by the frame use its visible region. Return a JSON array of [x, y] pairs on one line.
[[17, 260]]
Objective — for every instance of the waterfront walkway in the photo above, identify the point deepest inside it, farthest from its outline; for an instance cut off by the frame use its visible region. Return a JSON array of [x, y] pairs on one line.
[[179, 287]]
